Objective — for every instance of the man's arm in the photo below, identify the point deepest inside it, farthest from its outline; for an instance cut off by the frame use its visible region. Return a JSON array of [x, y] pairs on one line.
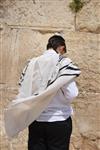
[[70, 91], [69, 70]]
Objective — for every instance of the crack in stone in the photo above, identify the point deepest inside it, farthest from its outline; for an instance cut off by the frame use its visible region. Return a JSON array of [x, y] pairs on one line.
[[85, 29], [54, 29]]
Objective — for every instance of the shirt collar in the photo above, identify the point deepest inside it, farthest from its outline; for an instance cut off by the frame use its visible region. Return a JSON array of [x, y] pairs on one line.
[[50, 51]]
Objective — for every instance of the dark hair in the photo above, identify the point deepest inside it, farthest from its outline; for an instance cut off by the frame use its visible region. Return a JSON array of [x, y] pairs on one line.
[[56, 41]]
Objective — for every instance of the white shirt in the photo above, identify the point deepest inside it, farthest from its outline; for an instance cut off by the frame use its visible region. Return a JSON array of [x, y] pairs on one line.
[[60, 107]]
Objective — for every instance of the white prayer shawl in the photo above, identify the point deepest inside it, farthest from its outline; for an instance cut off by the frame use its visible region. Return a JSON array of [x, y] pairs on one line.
[[40, 80]]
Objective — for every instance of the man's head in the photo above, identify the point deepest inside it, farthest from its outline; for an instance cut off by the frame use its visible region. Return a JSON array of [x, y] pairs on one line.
[[57, 42]]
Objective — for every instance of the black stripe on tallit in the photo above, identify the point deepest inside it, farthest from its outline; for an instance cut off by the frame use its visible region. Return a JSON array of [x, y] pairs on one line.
[[23, 73], [60, 58], [69, 67], [63, 67], [67, 74], [72, 68], [50, 82], [74, 74]]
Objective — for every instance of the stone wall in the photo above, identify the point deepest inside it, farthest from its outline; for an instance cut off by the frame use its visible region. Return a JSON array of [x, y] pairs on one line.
[[25, 28]]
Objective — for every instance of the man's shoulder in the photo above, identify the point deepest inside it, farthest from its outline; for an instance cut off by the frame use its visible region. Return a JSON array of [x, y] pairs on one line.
[[64, 60]]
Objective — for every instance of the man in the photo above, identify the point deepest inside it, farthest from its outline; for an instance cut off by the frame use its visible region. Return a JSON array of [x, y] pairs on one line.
[[52, 129]]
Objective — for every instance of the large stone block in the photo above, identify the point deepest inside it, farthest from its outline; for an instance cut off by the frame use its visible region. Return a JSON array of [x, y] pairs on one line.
[[88, 19], [19, 45], [37, 13], [84, 50]]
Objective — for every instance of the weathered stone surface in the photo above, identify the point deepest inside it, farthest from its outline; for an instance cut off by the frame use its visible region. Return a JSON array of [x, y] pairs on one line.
[[49, 13], [18, 45], [84, 49], [88, 19], [25, 29]]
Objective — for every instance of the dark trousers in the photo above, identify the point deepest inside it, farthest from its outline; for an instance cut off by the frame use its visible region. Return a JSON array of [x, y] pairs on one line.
[[50, 135]]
